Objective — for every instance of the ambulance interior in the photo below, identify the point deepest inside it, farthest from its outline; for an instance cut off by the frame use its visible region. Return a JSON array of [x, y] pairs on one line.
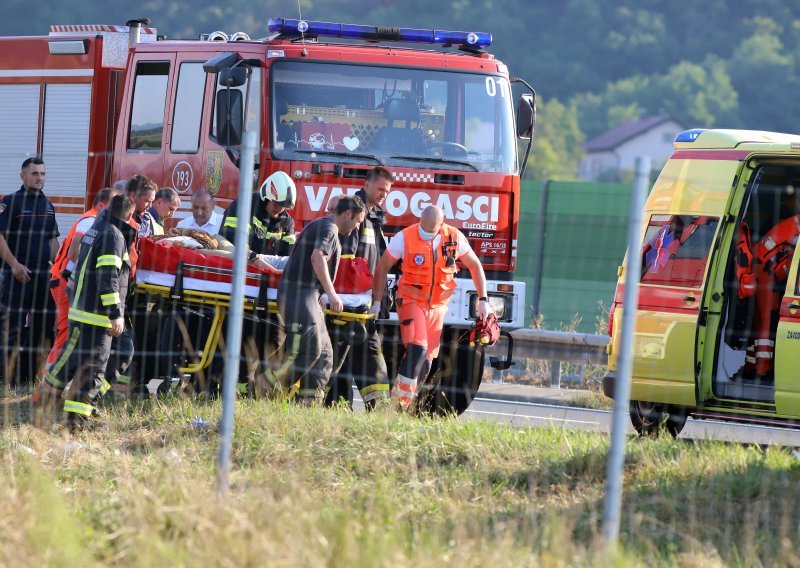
[[755, 283]]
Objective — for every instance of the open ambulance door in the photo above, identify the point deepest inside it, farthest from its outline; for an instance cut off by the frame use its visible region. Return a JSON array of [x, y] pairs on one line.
[[669, 322], [787, 347]]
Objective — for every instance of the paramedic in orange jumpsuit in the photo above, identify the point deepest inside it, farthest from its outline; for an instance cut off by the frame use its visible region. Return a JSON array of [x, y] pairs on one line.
[[428, 252]]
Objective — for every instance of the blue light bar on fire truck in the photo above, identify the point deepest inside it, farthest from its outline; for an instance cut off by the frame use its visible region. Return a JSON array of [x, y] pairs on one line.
[[309, 28]]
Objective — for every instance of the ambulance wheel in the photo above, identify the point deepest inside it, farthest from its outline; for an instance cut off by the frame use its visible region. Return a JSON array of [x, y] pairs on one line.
[[676, 420], [652, 419], [454, 380]]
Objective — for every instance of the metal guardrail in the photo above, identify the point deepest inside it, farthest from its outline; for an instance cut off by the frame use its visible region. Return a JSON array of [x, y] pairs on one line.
[[556, 346]]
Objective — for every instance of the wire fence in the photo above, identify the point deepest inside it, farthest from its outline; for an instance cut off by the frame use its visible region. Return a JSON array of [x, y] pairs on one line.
[[193, 335]]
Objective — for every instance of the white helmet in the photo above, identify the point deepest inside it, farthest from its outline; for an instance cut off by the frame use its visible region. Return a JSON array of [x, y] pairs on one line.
[[280, 189]]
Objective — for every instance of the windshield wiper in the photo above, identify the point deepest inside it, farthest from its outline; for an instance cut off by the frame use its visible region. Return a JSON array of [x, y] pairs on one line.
[[435, 160], [341, 154]]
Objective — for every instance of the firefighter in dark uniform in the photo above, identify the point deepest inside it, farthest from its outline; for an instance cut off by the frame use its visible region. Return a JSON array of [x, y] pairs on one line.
[[271, 235], [310, 271], [28, 244], [100, 282], [364, 362], [272, 228]]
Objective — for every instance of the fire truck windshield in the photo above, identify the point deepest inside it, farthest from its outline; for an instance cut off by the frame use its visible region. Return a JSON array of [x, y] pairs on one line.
[[392, 115]]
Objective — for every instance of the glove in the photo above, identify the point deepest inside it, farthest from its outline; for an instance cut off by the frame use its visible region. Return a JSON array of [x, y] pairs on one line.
[[483, 310], [375, 308]]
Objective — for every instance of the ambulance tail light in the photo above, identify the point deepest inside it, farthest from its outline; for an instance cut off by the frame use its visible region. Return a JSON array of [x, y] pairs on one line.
[[611, 319], [299, 28]]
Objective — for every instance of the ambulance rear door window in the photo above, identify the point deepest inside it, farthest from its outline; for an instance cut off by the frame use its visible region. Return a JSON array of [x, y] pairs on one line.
[[676, 248]]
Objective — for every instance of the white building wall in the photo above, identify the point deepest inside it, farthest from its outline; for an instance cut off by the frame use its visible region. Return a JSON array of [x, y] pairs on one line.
[[656, 143]]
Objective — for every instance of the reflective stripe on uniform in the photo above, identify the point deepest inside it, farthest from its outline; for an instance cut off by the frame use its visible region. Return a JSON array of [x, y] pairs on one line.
[[242, 387], [88, 317], [78, 408], [50, 377], [404, 389], [290, 238], [231, 222], [259, 225], [310, 393], [123, 380], [104, 386], [373, 392], [111, 299], [368, 236], [108, 260]]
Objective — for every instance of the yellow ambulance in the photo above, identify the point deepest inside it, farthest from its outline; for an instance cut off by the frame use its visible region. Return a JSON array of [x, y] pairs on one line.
[[717, 330]]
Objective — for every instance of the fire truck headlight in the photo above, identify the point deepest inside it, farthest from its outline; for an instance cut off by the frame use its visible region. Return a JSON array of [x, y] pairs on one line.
[[500, 303]]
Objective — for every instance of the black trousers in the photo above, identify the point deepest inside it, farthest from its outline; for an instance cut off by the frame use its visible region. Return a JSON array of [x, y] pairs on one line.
[[308, 345], [81, 369], [27, 318], [363, 364]]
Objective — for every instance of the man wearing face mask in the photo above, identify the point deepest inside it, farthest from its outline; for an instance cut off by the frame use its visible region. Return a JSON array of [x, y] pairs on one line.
[[428, 252]]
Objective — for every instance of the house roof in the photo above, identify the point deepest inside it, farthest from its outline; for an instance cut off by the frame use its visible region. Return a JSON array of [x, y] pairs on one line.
[[613, 138]]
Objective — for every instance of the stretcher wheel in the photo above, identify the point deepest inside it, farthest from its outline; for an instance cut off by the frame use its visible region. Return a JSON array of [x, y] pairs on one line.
[[354, 333]]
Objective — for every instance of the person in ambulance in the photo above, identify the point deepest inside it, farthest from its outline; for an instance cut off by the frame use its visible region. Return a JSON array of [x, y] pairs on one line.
[[428, 252], [770, 259]]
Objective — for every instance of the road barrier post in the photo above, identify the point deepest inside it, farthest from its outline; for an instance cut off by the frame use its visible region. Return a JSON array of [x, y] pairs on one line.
[[235, 317], [619, 424]]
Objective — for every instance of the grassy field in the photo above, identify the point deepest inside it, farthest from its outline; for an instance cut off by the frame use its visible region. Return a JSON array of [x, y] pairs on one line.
[[312, 487]]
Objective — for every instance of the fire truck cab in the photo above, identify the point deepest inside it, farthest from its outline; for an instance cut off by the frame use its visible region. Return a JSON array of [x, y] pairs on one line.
[[718, 315], [103, 103]]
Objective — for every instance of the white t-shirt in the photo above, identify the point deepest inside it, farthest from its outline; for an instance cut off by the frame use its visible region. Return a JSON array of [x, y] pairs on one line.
[[397, 244], [211, 227], [84, 225]]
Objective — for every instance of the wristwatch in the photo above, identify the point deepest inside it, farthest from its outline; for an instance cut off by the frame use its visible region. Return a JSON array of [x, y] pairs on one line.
[[483, 299], [253, 256]]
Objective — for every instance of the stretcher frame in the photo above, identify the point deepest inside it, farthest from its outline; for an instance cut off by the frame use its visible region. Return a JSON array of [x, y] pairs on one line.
[[260, 305]]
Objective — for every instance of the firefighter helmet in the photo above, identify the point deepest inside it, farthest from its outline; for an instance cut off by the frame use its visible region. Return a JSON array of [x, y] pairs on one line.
[[280, 189]]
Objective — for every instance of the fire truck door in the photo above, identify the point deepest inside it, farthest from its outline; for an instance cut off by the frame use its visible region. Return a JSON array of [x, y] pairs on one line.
[[189, 108], [787, 347], [145, 113]]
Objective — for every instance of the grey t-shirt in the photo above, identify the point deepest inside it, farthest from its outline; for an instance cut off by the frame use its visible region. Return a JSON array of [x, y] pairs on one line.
[[298, 273]]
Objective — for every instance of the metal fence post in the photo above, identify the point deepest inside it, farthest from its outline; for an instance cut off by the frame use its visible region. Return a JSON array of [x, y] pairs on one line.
[[233, 343], [619, 425], [555, 374], [538, 260]]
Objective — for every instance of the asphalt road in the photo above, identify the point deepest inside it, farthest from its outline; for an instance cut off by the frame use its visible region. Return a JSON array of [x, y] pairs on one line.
[[527, 414]]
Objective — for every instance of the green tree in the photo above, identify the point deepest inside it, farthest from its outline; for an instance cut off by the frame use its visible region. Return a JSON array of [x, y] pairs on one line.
[[558, 143]]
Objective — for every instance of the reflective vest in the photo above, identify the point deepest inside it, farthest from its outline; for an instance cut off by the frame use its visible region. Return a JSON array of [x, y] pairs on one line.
[[62, 256], [428, 272]]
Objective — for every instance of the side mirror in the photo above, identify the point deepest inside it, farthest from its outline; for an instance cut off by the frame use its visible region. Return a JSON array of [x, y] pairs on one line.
[[526, 116], [230, 117], [232, 77]]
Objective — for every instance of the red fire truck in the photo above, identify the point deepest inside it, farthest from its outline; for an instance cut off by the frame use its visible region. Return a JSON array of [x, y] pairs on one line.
[[101, 103]]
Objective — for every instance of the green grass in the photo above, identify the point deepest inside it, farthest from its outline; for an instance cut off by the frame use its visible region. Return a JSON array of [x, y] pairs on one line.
[[311, 487]]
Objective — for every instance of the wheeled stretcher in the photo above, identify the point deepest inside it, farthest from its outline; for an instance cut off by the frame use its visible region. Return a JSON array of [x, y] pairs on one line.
[[190, 290]]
